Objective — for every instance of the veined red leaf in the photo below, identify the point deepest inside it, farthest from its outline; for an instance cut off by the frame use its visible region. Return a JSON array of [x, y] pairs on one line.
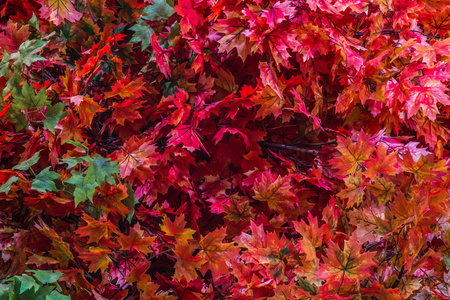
[[58, 10]]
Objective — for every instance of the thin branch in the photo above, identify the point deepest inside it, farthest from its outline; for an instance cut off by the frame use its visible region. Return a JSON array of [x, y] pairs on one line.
[[288, 147]]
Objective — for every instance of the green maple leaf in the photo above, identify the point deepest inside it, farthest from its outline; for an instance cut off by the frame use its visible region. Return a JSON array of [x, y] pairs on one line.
[[158, 11], [82, 190], [54, 114], [45, 277], [7, 185], [15, 116], [25, 165], [101, 170], [142, 33], [13, 84], [44, 181], [28, 49], [28, 99], [4, 65], [25, 282]]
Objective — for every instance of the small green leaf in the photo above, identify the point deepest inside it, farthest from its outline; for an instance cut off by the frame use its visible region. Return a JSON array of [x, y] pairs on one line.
[[13, 84], [28, 99], [28, 49], [34, 22], [15, 116], [45, 277], [447, 261], [25, 165], [25, 282], [82, 190], [101, 170], [158, 11], [7, 185], [44, 181], [4, 65], [71, 161], [54, 114], [142, 33], [78, 144], [55, 295]]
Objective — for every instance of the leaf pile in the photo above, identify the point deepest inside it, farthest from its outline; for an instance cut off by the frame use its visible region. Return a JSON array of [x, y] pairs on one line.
[[224, 150]]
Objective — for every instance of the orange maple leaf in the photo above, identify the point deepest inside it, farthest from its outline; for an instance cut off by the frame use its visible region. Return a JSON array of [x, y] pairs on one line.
[[137, 240], [98, 258], [276, 192], [352, 155], [354, 191], [177, 229], [381, 164], [96, 230], [382, 189], [216, 253], [347, 265]]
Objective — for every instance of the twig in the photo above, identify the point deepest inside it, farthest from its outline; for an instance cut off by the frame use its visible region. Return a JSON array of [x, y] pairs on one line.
[[288, 147]]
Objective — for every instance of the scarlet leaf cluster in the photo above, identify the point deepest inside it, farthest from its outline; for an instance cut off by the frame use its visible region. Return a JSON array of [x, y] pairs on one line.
[[291, 149]]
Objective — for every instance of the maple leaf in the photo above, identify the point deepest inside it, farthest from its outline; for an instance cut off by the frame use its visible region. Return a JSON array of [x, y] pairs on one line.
[[13, 36], [113, 197], [126, 88], [58, 10], [301, 108], [426, 97], [96, 230], [238, 211], [98, 258], [162, 57], [188, 136], [278, 12], [216, 253], [137, 154], [142, 33], [186, 265], [87, 108], [352, 155], [383, 163], [269, 78], [220, 133], [61, 249], [313, 235], [266, 249], [346, 264], [232, 29], [354, 191], [225, 80], [274, 190], [127, 110], [382, 189], [177, 229], [423, 169], [136, 240]]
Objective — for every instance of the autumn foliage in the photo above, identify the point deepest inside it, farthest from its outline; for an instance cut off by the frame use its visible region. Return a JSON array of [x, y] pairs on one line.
[[218, 149]]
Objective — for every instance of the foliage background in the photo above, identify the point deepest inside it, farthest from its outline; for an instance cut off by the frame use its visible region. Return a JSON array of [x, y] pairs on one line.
[[224, 149]]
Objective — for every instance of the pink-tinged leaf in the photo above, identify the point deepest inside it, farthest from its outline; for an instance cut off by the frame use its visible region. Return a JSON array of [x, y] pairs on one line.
[[269, 79], [426, 97], [277, 12], [188, 136], [353, 59], [58, 10], [162, 57], [301, 108]]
